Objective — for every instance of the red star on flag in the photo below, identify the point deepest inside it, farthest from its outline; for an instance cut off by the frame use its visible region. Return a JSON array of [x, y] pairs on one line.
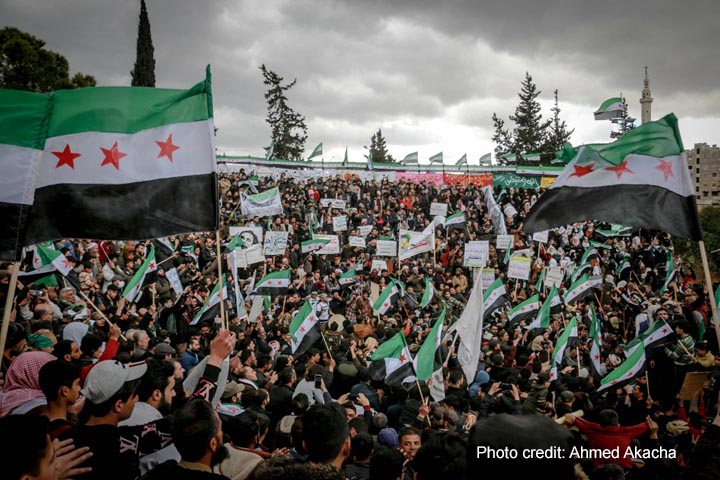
[[152, 266], [552, 374], [666, 168], [596, 357], [66, 157], [167, 148], [66, 263], [582, 170], [112, 156], [664, 330], [620, 169], [402, 357], [301, 329]]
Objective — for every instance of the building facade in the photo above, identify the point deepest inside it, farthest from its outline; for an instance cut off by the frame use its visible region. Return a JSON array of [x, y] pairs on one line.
[[704, 165]]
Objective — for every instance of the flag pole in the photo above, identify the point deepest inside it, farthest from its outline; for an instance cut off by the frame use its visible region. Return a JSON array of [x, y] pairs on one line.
[[220, 278], [325, 342], [94, 307], [708, 283], [8, 304]]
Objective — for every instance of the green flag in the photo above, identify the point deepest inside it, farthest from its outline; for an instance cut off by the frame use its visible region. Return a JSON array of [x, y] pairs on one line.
[[318, 151], [425, 358], [135, 284]]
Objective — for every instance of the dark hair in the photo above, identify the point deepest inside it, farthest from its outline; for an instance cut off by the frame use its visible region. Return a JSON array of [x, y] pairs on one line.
[[243, 429], [361, 446], [407, 431], [286, 375], [157, 377], [246, 354], [299, 403], [89, 343], [608, 417], [386, 464], [441, 456], [325, 430], [359, 424], [194, 426], [62, 348], [29, 444], [56, 374]]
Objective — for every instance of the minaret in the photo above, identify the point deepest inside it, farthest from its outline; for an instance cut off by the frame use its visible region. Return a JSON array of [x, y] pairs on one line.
[[646, 101]]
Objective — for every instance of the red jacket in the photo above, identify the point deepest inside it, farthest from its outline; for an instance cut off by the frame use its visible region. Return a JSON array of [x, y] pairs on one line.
[[611, 437]]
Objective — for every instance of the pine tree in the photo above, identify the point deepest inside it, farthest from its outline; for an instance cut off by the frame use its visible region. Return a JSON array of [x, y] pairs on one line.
[[288, 129], [502, 138], [143, 74], [378, 148], [529, 132], [557, 133]]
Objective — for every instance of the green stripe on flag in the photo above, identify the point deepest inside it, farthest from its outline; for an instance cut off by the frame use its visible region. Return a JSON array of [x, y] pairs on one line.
[[23, 118], [107, 109], [425, 358]]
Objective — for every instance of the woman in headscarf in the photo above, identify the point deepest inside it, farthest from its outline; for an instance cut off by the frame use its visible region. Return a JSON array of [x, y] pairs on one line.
[[21, 393]]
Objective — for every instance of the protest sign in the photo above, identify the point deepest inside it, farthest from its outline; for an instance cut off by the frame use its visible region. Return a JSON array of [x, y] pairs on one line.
[[519, 268], [386, 248], [504, 242], [476, 253], [438, 209], [275, 243]]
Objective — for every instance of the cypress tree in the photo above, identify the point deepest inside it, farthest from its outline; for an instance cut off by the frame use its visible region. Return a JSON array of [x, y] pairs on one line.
[[143, 74]]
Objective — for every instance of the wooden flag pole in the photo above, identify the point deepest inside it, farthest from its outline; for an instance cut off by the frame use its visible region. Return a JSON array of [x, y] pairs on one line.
[[708, 285], [15, 268], [223, 321], [94, 307]]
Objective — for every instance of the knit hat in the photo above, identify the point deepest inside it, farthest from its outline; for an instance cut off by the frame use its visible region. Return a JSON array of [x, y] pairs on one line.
[[388, 437]]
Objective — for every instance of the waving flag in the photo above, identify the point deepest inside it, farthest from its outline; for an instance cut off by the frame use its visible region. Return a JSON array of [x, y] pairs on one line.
[[313, 245], [494, 297], [437, 158], [303, 323], [527, 309], [428, 294], [317, 151], [132, 289], [609, 109], [126, 163], [462, 161], [596, 336], [410, 158], [386, 299], [564, 341], [425, 358], [273, 283], [211, 307], [392, 361], [669, 272], [640, 180], [627, 370]]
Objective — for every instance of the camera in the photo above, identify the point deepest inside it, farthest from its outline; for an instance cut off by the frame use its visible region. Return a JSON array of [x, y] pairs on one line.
[[505, 386], [36, 293], [353, 397]]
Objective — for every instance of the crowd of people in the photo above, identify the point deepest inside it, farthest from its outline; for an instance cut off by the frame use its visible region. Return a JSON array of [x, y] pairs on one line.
[[97, 385]]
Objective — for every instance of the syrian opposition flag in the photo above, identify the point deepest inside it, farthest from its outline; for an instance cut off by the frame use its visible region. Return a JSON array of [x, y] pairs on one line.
[[301, 326], [462, 161], [624, 264], [669, 272], [640, 180], [627, 370], [313, 245], [392, 361], [413, 243], [386, 299], [582, 288], [37, 261], [122, 163], [348, 277], [132, 289], [410, 158], [596, 336], [235, 242], [273, 283], [615, 231], [23, 128], [437, 158], [542, 320], [48, 260], [317, 151], [211, 307], [564, 340], [485, 159], [657, 335], [425, 358], [527, 309], [609, 109], [494, 297], [428, 294], [577, 273], [457, 218]]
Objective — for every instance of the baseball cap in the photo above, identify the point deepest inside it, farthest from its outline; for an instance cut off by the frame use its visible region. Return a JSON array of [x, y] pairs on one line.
[[106, 378]]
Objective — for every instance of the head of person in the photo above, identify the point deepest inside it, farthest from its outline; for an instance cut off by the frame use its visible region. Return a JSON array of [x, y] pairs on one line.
[[247, 430], [30, 454], [441, 456], [409, 441], [282, 467], [110, 389], [157, 386], [60, 380], [197, 433], [326, 434], [386, 464]]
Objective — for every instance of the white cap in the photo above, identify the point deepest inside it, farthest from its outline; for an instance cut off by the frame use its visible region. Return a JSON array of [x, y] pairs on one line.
[[106, 379]]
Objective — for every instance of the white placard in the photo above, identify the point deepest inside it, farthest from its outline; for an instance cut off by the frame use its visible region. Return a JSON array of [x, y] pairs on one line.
[[553, 277], [326, 202], [331, 248], [504, 242], [241, 258], [357, 242], [340, 223], [275, 243], [510, 211], [438, 209], [174, 280], [339, 204], [541, 237], [365, 230], [254, 254], [386, 248], [476, 253], [488, 276], [249, 235], [438, 220], [519, 268], [378, 265]]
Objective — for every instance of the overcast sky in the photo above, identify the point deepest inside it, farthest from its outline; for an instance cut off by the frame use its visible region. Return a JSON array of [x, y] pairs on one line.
[[429, 73]]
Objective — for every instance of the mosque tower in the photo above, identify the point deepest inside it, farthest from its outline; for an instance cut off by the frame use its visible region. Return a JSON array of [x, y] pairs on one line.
[[646, 101]]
